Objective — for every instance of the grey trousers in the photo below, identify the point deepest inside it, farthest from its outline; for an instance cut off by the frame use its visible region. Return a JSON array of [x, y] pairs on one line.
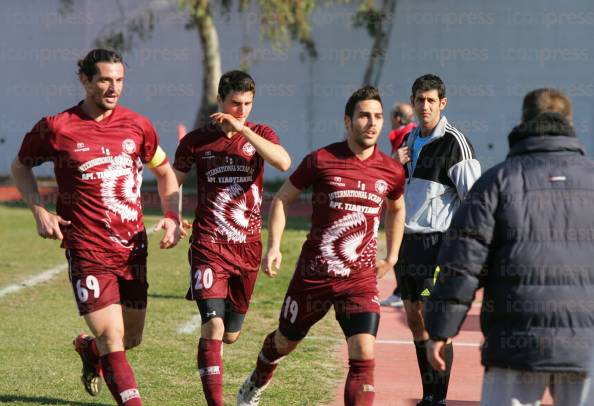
[[508, 387]]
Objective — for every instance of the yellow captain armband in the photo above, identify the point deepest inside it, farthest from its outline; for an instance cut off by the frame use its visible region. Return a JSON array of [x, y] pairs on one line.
[[158, 159]]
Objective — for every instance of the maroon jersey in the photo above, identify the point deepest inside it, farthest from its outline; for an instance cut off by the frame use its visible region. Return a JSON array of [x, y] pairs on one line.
[[229, 175], [347, 199], [98, 167]]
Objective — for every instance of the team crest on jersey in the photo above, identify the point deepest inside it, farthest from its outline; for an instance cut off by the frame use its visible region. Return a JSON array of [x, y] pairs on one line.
[[381, 186], [248, 149], [129, 146]]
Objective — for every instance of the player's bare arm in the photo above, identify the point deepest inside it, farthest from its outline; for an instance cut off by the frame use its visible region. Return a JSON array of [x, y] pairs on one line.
[[185, 224], [394, 229], [286, 195], [169, 194], [272, 153], [48, 224]]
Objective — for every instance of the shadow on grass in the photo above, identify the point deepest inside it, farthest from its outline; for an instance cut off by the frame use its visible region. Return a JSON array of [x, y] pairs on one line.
[[43, 400], [162, 296]]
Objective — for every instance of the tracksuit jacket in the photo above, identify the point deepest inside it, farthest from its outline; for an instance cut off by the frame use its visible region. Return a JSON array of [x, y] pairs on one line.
[[445, 171]]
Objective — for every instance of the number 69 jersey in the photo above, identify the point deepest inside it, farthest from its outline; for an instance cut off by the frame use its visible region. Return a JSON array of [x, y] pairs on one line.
[[98, 168], [347, 200]]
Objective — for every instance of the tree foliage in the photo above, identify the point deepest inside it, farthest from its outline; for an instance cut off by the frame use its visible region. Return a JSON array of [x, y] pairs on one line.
[[281, 22]]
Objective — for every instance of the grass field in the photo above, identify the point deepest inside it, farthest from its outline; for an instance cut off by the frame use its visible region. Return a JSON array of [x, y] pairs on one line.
[[39, 367]]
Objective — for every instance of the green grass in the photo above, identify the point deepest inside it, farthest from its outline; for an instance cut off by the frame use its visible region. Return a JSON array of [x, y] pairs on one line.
[[39, 367]]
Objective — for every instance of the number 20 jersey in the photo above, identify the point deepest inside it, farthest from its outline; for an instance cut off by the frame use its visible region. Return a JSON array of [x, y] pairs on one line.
[[229, 176]]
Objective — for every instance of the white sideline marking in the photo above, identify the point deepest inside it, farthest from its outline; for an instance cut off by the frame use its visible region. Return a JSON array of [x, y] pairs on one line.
[[395, 342], [34, 280], [191, 326], [42, 277], [400, 342]]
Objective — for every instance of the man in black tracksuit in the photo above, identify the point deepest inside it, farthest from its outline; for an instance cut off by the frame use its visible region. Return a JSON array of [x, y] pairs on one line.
[[525, 233], [441, 168]]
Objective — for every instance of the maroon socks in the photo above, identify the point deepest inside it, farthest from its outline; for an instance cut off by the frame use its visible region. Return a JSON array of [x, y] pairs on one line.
[[268, 360], [210, 368], [119, 377], [359, 388]]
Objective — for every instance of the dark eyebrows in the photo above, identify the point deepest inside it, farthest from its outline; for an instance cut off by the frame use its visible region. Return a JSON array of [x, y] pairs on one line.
[[100, 78], [369, 113], [421, 98]]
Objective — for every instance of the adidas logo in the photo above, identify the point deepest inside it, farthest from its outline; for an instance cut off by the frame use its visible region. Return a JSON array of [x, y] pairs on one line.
[[426, 293]]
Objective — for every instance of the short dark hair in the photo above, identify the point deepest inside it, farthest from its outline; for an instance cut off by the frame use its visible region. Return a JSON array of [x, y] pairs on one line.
[[364, 93], [545, 100], [236, 81], [88, 65], [429, 82]]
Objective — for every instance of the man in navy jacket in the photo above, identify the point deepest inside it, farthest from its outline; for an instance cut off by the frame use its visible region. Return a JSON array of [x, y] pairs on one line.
[[525, 233]]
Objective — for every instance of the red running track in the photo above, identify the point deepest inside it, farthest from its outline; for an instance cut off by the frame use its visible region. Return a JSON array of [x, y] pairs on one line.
[[397, 379]]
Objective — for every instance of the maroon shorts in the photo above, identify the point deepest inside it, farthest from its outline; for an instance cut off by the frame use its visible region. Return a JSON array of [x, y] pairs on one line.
[[308, 300], [100, 279], [224, 271]]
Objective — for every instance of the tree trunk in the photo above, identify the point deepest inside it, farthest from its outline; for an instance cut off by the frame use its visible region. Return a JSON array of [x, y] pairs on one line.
[[381, 42], [211, 61]]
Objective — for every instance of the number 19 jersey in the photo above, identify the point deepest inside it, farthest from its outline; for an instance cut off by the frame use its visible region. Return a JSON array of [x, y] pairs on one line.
[[347, 199]]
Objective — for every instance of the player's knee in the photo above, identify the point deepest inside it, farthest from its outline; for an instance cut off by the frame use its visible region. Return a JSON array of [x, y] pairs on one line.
[[110, 340], [361, 346], [362, 353], [360, 350], [285, 345], [230, 338], [213, 329]]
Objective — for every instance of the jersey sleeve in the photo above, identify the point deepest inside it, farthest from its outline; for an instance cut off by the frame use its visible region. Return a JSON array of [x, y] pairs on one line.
[[38, 145], [268, 133], [398, 188], [184, 156], [305, 174]]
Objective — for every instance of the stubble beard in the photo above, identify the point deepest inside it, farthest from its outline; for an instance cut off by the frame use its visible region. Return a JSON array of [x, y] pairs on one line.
[[363, 143], [101, 105]]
